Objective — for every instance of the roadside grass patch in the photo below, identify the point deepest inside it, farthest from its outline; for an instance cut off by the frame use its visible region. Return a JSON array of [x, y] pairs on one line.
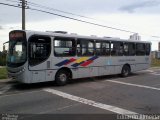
[[3, 73], [155, 63]]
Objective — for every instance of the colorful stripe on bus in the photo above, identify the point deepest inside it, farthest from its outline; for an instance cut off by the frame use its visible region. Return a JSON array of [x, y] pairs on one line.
[[83, 61]]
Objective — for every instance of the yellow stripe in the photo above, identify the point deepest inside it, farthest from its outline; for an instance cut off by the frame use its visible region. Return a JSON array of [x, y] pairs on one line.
[[81, 59]]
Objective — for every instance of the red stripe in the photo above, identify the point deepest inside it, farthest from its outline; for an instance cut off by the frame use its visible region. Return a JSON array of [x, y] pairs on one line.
[[70, 61], [86, 63]]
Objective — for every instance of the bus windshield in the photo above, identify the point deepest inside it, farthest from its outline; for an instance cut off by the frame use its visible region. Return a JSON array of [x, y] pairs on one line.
[[17, 51]]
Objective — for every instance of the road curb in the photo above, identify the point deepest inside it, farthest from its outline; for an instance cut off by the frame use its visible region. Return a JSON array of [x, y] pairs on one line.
[[154, 68], [5, 80]]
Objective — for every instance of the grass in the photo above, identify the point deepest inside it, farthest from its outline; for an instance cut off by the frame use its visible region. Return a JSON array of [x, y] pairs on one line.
[[3, 73], [155, 63]]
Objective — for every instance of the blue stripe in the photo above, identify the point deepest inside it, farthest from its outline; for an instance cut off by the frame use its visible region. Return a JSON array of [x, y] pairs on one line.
[[93, 58], [77, 64], [62, 63]]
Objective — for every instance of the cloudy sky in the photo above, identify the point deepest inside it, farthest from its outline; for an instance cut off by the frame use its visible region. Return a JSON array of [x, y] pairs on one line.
[[141, 16]]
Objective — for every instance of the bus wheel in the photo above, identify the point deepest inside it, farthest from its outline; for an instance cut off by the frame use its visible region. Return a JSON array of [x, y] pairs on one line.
[[62, 77], [125, 71]]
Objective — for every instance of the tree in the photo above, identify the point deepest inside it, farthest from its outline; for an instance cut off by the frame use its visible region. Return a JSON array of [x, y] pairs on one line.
[[3, 58]]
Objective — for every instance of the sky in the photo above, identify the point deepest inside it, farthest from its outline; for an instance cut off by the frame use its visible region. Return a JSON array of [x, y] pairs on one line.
[[140, 16]]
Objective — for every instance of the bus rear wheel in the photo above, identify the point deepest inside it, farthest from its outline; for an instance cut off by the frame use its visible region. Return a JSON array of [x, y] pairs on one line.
[[125, 71], [62, 77]]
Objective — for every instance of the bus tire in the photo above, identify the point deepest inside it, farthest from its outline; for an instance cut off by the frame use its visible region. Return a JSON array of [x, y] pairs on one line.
[[125, 71], [62, 78]]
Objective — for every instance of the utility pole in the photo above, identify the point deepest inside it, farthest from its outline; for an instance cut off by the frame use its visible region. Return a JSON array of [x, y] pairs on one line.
[[23, 14], [23, 4]]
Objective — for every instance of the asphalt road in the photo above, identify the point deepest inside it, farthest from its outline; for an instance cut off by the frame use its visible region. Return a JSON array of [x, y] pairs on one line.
[[90, 97]]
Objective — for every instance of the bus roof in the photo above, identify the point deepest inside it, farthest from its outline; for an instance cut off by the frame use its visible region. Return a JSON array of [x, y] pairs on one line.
[[74, 35]]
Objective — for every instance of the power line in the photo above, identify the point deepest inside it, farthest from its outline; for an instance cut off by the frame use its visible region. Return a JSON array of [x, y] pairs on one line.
[[88, 22], [80, 20], [73, 18], [10, 5], [12, 1], [57, 10], [61, 11], [70, 18], [92, 23], [53, 9]]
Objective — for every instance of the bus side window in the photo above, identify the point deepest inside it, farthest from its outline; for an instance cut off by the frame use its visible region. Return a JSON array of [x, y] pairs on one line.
[[64, 46], [86, 47], [98, 48], [78, 48], [83, 48], [107, 46], [126, 49], [117, 48], [90, 48], [120, 51], [102, 48], [148, 49], [140, 49], [113, 49], [131, 49]]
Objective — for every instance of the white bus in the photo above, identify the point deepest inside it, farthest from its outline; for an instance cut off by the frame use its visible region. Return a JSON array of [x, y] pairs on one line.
[[58, 56]]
